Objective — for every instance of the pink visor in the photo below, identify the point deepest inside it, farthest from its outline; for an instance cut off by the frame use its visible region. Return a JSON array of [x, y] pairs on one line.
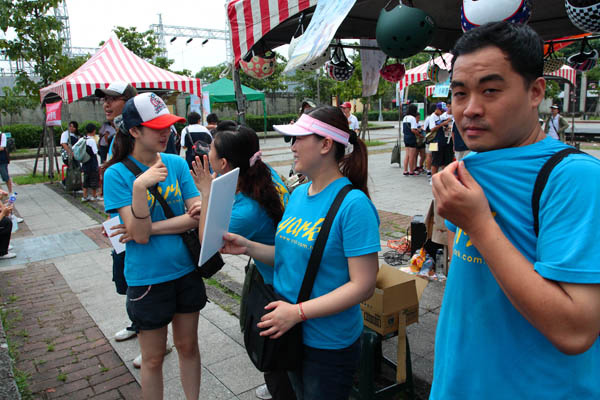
[[307, 125]]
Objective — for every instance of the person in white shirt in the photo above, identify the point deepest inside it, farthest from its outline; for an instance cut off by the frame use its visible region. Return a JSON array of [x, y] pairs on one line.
[[91, 175], [555, 124], [191, 134], [69, 137], [352, 120]]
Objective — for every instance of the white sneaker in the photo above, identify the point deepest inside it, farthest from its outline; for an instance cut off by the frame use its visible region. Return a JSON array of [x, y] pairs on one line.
[[262, 392], [19, 219], [10, 247], [98, 198], [124, 334], [84, 199], [137, 362], [7, 256]]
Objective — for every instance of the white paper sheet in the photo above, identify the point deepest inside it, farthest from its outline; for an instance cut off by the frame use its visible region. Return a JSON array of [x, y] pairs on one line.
[[218, 215], [108, 227]]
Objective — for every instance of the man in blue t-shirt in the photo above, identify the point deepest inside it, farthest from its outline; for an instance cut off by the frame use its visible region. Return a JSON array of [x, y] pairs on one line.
[[521, 312]]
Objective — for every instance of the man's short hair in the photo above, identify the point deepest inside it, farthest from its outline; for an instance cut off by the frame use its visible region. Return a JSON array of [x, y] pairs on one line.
[[193, 118], [89, 128], [212, 118], [521, 44]]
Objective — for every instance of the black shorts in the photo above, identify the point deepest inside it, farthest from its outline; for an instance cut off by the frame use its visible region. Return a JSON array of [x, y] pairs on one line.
[[442, 157], [410, 140], [91, 180], [154, 306]]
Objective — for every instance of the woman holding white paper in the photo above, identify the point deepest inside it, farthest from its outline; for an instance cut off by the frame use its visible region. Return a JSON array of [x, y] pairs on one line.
[[332, 156], [257, 209], [163, 283]]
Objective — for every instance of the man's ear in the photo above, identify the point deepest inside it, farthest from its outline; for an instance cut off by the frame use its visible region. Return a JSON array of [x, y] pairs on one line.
[[537, 91]]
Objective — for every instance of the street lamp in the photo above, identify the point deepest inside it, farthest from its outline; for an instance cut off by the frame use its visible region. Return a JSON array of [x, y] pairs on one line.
[[173, 39], [189, 40]]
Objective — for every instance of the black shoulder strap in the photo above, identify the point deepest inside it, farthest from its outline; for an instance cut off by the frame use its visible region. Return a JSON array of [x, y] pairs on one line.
[[317, 252], [135, 170], [542, 179]]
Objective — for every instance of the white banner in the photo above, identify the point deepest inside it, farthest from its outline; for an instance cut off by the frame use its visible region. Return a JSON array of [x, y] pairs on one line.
[[372, 61], [323, 25]]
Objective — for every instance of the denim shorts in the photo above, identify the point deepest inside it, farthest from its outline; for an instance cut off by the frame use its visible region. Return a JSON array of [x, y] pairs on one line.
[[154, 306], [326, 374]]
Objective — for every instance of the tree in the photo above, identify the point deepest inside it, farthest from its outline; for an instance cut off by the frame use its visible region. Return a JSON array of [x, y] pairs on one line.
[[37, 42], [143, 44], [211, 74]]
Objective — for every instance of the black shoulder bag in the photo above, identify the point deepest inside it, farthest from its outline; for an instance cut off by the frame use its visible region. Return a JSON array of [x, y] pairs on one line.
[[285, 352], [190, 238]]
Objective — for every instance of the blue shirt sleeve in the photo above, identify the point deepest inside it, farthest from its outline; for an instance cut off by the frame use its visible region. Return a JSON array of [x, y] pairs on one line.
[[117, 191], [568, 247], [360, 226]]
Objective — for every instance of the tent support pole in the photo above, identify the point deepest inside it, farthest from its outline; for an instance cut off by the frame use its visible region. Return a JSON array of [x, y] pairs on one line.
[[239, 96], [264, 104]]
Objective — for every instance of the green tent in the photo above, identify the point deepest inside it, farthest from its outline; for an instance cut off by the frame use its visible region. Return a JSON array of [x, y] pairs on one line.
[[222, 91]]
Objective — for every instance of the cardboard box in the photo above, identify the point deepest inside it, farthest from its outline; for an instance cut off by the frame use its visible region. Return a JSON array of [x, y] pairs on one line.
[[396, 292]]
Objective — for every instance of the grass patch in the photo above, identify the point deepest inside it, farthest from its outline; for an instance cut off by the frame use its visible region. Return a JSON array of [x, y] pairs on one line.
[[50, 347], [370, 143], [224, 289], [12, 298], [104, 369], [61, 377], [31, 180]]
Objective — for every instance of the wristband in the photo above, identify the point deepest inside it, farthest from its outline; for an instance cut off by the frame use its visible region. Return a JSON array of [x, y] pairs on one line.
[[301, 312], [132, 213]]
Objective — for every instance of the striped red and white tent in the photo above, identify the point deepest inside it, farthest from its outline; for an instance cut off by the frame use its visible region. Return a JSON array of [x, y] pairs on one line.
[[114, 62], [250, 20], [419, 74], [567, 73]]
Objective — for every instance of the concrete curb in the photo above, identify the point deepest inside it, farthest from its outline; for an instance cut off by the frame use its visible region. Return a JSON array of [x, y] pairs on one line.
[[8, 386]]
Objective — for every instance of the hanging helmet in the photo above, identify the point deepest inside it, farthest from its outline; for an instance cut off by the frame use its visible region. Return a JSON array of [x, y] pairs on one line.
[[432, 72], [403, 31], [584, 61], [474, 13], [338, 67], [314, 64], [584, 14], [393, 72], [259, 67]]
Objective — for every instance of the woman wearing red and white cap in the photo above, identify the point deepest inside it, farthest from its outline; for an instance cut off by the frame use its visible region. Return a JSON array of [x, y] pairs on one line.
[[164, 285], [331, 156]]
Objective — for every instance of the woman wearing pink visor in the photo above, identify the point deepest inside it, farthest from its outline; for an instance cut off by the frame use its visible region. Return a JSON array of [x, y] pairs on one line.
[[332, 156], [164, 285]]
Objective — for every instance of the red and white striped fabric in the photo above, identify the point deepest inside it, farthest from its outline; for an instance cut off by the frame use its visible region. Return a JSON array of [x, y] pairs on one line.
[[419, 74], [250, 20], [114, 62], [429, 90], [567, 73]]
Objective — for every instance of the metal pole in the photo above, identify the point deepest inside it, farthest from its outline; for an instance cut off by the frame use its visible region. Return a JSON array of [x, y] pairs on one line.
[[380, 115], [239, 96], [319, 86]]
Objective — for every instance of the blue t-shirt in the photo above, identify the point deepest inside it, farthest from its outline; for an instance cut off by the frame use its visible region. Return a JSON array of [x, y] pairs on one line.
[[354, 232], [485, 349], [164, 257]]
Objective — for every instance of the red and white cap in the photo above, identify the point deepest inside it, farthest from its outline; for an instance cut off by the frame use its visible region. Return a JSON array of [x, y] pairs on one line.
[[149, 110], [307, 125]]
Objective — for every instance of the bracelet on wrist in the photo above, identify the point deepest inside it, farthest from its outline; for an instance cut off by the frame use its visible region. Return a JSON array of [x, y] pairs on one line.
[[301, 312], [132, 213]]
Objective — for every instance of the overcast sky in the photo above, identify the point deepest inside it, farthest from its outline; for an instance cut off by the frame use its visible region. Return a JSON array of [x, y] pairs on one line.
[[92, 22]]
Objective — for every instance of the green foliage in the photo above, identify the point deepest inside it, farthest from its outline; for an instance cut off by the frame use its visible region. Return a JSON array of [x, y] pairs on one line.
[[11, 102], [36, 43], [272, 84], [257, 123], [211, 74]]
